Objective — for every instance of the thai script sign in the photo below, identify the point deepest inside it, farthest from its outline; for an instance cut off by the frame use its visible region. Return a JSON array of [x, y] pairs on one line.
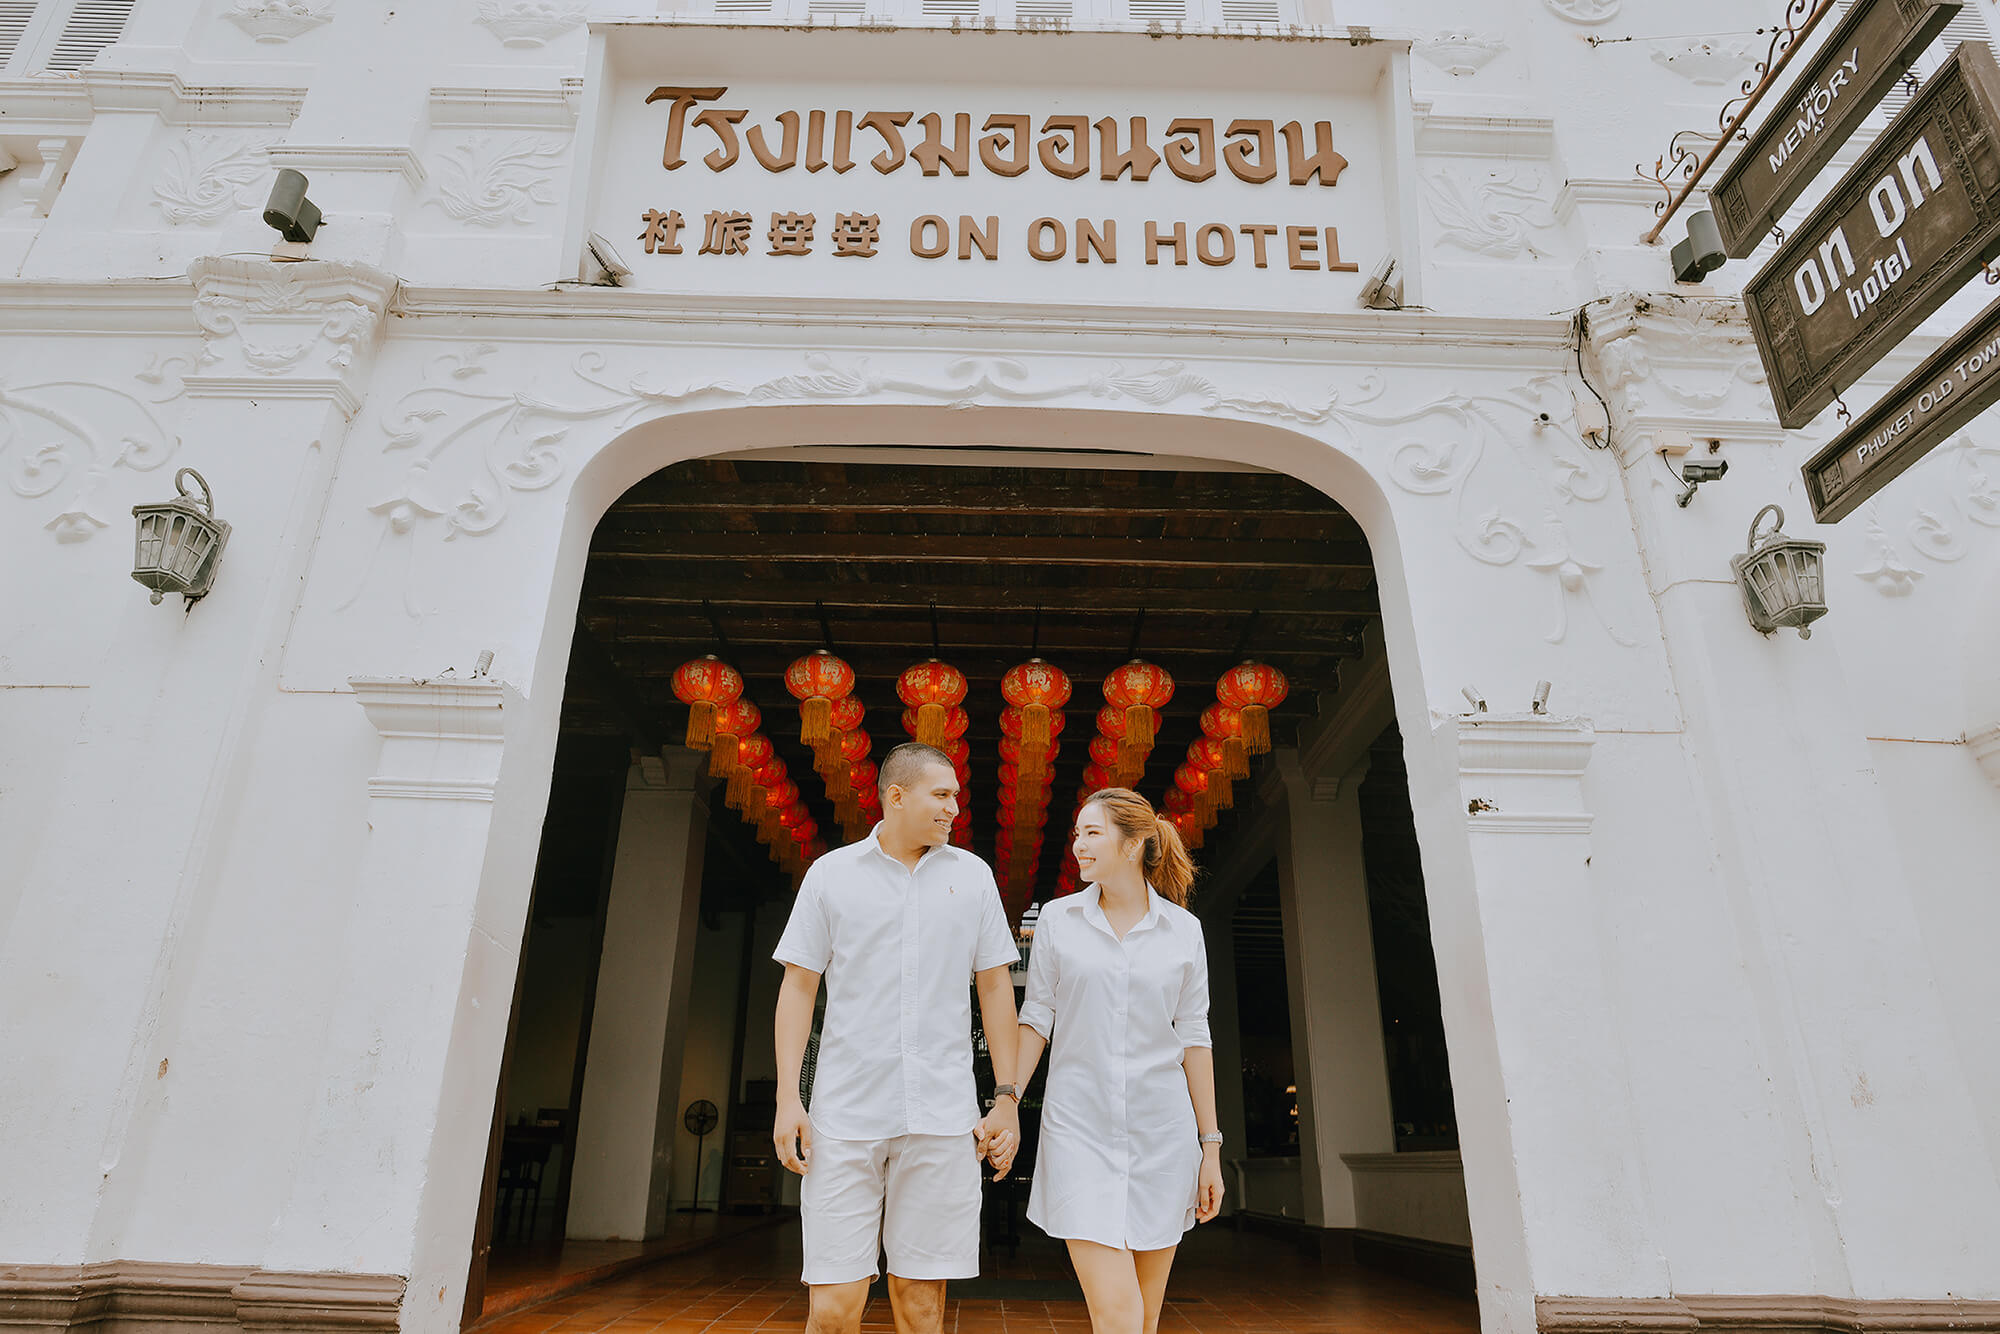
[[1954, 384], [1871, 47], [1917, 216]]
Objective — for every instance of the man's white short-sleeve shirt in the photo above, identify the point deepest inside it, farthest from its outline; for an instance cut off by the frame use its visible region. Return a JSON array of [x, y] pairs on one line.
[[898, 949]]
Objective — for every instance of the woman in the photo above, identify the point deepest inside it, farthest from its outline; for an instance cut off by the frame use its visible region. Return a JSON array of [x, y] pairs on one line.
[[1118, 990]]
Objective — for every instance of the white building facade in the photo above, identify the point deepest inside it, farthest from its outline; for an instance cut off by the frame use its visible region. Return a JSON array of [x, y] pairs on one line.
[[1713, 932]]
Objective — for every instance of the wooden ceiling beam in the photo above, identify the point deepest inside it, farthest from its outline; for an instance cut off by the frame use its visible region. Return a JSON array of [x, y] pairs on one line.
[[663, 589]]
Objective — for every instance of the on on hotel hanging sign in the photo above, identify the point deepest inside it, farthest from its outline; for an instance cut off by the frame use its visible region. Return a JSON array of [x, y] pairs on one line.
[[1908, 226]]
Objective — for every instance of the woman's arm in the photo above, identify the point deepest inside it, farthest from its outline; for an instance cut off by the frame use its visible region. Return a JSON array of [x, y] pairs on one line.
[[1199, 1065]]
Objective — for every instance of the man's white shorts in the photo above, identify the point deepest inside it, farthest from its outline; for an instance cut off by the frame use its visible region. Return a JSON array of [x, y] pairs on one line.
[[915, 1197]]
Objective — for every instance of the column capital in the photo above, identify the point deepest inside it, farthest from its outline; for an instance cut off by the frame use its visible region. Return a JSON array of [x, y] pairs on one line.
[[279, 330], [441, 738], [1523, 773], [1666, 364], [673, 769]]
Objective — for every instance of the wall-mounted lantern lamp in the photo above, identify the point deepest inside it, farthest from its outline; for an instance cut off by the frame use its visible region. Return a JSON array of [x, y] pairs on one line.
[[180, 541], [1783, 578]]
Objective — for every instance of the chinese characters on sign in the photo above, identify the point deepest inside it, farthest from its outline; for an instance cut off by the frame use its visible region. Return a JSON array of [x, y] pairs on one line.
[[856, 235], [1067, 147]]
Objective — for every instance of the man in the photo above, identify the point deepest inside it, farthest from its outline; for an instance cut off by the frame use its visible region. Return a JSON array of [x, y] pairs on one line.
[[897, 924]]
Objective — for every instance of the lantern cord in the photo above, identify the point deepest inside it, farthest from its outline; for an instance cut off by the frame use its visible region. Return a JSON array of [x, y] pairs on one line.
[[1138, 623], [1035, 635], [825, 631], [1243, 640], [936, 649], [715, 624]]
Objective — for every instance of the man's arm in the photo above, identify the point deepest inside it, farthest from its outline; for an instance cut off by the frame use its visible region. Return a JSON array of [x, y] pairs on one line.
[[792, 1131], [1003, 1035]]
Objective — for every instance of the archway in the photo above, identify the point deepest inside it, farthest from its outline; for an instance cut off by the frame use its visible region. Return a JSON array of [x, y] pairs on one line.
[[910, 436]]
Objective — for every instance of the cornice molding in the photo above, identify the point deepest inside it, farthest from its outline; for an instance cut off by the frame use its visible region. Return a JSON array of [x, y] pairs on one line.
[[127, 1296], [177, 103], [1518, 745], [506, 108], [1767, 1314], [399, 159], [1508, 341], [1449, 134], [434, 709], [37, 106], [1425, 1161], [264, 323]]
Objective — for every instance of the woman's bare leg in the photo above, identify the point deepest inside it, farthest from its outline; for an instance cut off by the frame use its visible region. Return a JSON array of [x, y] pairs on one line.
[[1153, 1267], [1110, 1281]]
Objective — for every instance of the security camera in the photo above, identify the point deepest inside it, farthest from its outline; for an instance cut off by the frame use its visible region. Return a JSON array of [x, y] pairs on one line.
[[1702, 253], [1474, 698], [1383, 290], [1694, 474], [1540, 703], [288, 209], [609, 268]]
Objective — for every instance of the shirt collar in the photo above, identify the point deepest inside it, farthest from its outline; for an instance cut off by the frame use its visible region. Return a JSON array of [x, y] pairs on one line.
[[1093, 911], [875, 846]]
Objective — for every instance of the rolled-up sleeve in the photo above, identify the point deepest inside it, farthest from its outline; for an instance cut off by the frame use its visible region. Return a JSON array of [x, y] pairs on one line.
[[1038, 1003], [996, 939], [1191, 1014], [808, 940]]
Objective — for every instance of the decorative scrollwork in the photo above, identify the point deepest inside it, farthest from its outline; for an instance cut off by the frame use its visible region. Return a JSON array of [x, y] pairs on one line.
[[1686, 164]]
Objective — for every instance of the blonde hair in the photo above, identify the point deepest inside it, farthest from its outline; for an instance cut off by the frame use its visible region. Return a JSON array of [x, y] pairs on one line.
[[1164, 858]]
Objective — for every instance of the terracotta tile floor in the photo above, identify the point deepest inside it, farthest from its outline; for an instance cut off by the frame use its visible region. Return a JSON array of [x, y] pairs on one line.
[[1224, 1283]]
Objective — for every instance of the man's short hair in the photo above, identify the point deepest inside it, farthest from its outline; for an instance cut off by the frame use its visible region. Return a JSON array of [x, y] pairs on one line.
[[904, 765]]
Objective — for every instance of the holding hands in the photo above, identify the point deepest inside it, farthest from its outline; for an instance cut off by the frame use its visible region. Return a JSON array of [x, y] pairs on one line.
[[998, 1135]]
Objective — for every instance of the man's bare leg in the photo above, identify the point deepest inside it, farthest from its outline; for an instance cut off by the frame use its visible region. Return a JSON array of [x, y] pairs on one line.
[[835, 1308], [1153, 1267], [918, 1304]]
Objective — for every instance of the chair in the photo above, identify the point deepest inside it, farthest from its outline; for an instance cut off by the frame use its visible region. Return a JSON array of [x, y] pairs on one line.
[[522, 1161]]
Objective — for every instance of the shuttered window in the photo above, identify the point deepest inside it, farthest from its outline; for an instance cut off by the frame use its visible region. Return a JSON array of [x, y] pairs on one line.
[[14, 18], [57, 35], [90, 26], [1969, 26]]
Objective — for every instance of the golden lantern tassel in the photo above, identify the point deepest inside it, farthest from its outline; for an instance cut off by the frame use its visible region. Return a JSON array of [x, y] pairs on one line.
[[738, 790], [1035, 728], [753, 808], [1139, 729], [931, 720], [722, 756], [1219, 791], [1256, 729], [815, 722], [1235, 758], [701, 724]]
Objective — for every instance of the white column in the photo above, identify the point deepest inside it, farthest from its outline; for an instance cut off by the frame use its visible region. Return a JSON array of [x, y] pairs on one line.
[[418, 968], [1226, 1031], [632, 1074], [1562, 1061], [1338, 1056], [129, 854]]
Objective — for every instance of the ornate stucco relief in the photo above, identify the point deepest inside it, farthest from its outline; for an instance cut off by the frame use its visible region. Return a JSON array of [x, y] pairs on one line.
[[1461, 54], [490, 182], [1498, 216], [1584, 11], [279, 20], [72, 436], [206, 177], [529, 23]]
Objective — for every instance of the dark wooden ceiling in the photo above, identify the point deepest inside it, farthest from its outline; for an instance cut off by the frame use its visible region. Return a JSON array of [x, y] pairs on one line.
[[761, 561]]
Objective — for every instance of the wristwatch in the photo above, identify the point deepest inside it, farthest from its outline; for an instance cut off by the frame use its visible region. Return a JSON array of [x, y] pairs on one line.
[[1212, 1139], [1009, 1090]]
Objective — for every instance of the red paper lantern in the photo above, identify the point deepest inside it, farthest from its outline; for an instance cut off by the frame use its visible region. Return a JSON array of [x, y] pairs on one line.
[[1095, 779], [956, 722], [931, 688], [1104, 752], [753, 752], [761, 784], [848, 711], [1256, 689], [704, 684], [738, 718], [816, 681], [1205, 753], [1139, 688], [1194, 782], [1225, 723], [1038, 689], [1013, 723]]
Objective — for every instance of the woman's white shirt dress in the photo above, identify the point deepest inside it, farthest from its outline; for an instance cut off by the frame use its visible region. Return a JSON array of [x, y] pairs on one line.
[[1120, 1155]]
